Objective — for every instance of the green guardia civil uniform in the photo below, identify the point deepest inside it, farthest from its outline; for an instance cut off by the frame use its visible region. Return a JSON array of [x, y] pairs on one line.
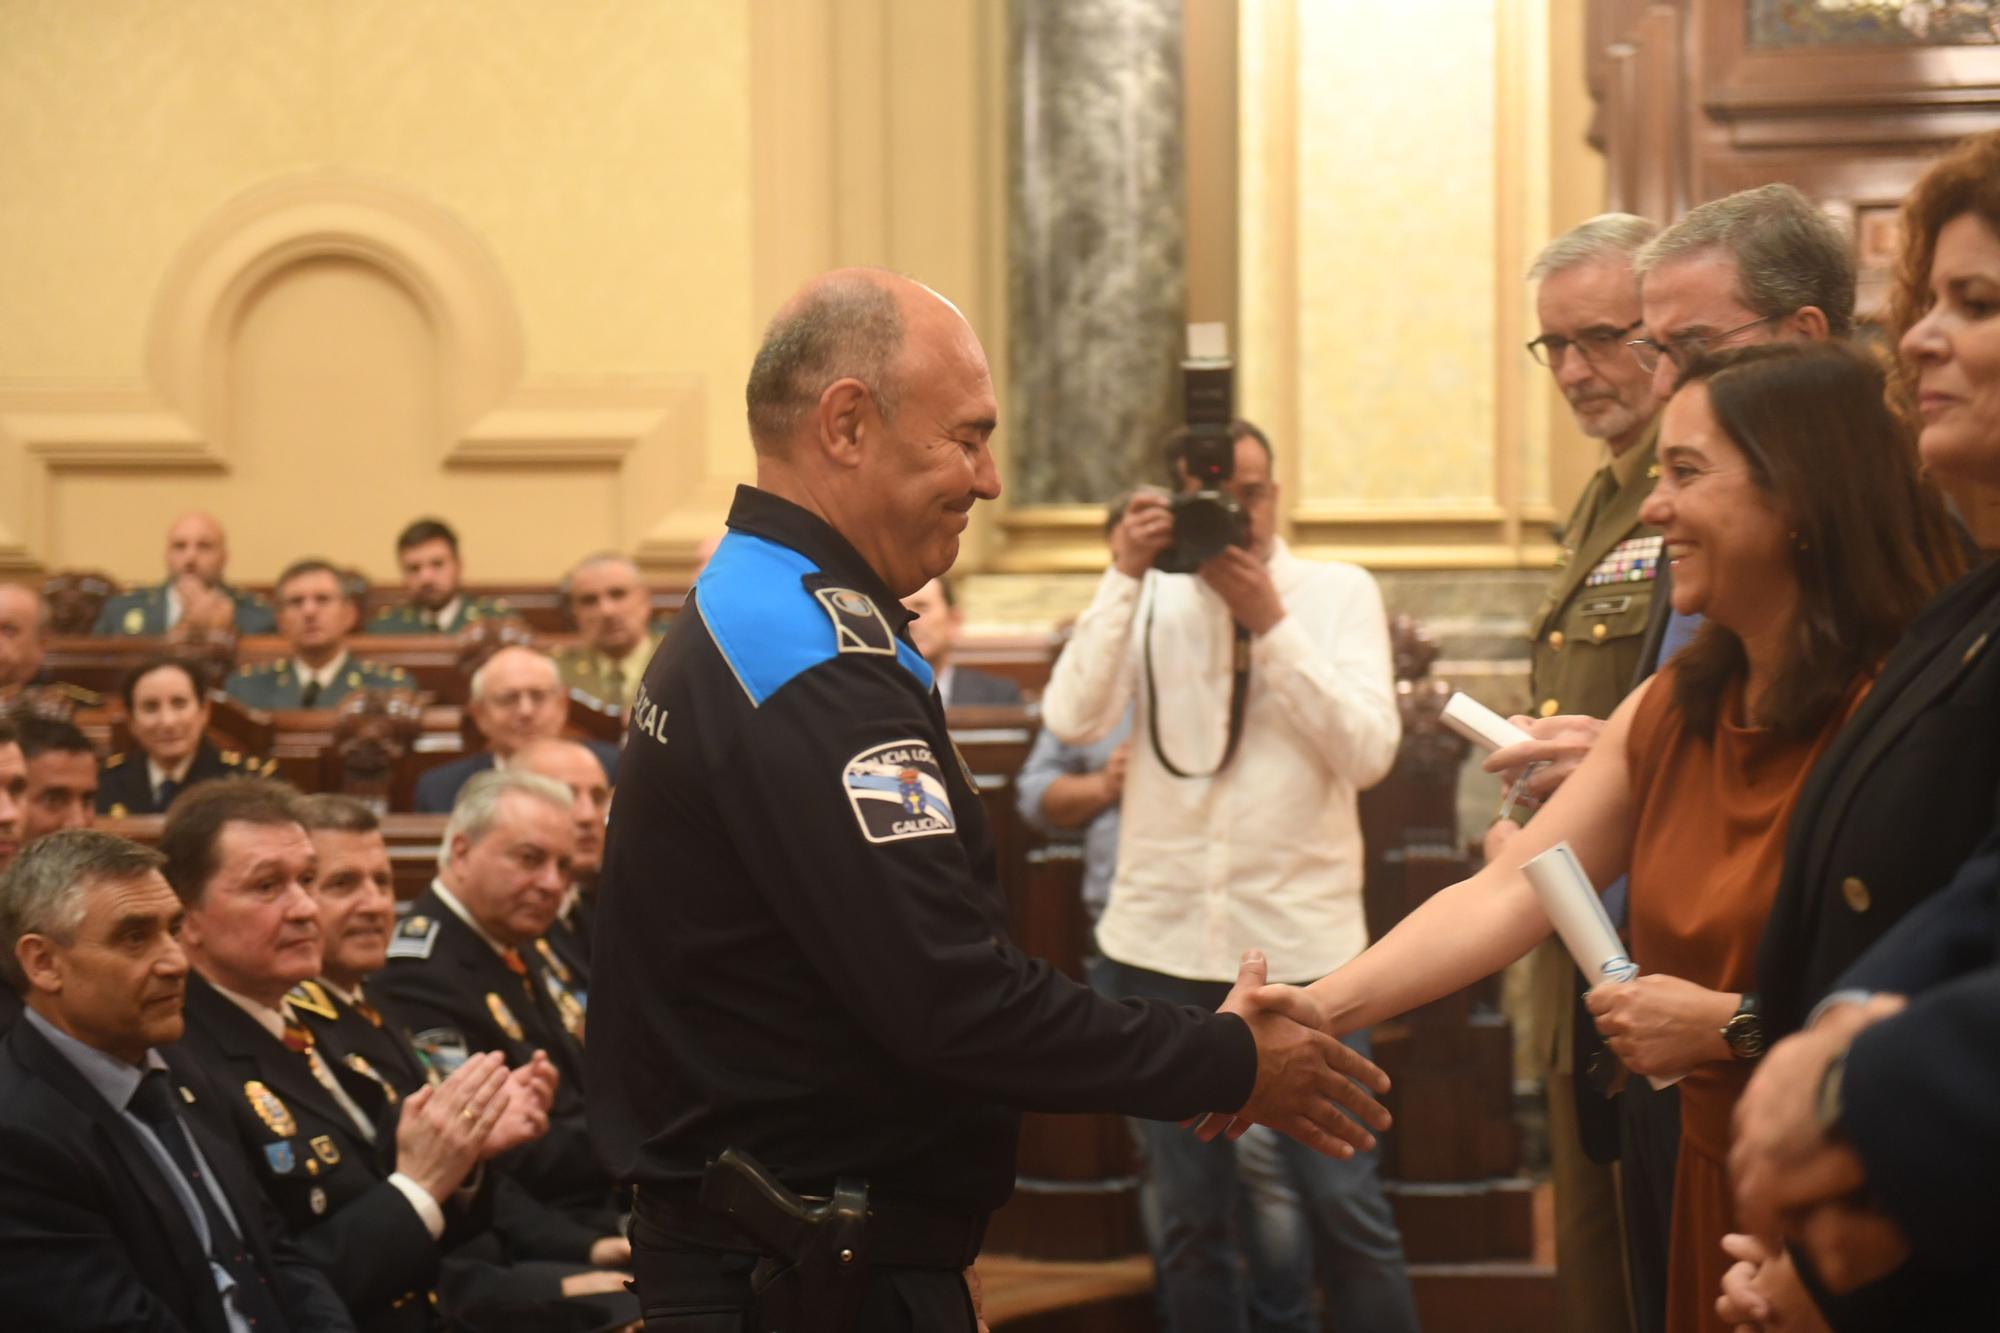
[[277, 685], [1585, 652], [409, 618], [144, 611], [608, 679]]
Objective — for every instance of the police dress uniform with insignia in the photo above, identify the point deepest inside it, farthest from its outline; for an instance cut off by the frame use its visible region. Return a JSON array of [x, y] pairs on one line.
[[456, 996], [409, 618], [282, 684], [326, 1177], [125, 786], [801, 948], [569, 939], [1586, 644], [144, 611], [362, 1034]]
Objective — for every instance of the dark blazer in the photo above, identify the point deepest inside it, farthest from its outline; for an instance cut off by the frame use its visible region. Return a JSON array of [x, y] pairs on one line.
[[93, 1234], [437, 790], [1921, 1104], [382, 1051], [452, 992], [329, 1183], [124, 789], [1898, 800], [971, 687]]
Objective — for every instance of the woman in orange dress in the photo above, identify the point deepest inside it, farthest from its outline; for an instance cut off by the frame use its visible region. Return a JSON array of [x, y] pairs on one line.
[[1798, 526]]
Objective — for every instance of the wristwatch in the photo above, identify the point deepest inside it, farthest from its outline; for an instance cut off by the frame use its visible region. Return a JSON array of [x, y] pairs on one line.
[[1745, 1029]]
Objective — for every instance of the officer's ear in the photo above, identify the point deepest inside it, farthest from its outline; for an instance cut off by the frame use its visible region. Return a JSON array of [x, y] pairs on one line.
[[847, 415]]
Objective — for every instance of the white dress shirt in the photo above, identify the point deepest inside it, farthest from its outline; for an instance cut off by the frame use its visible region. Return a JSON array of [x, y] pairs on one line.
[[324, 676], [1266, 854]]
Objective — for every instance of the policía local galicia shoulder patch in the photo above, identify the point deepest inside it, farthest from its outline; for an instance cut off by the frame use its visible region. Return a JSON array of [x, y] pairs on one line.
[[897, 791]]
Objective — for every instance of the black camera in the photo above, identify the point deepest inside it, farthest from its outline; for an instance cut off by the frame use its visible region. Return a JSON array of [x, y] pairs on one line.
[[1207, 520]]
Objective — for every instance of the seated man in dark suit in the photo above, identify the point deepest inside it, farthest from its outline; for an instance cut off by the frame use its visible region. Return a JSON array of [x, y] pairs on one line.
[[315, 614], [935, 631], [566, 946], [516, 697], [166, 706], [119, 1208], [194, 593], [464, 975], [537, 1253], [375, 1190], [62, 777], [434, 601]]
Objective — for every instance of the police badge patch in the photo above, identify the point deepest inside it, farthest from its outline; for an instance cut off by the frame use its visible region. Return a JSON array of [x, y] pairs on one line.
[[897, 791], [277, 1117], [858, 627]]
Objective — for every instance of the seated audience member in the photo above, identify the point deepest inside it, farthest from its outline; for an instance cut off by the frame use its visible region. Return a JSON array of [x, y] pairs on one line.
[[566, 946], [24, 631], [120, 1207], [464, 976], [193, 594], [613, 612], [316, 615], [166, 707], [1071, 790], [13, 793], [537, 1252], [935, 632], [436, 603], [1797, 524], [62, 777], [1868, 1141], [374, 1190], [516, 697], [1908, 791]]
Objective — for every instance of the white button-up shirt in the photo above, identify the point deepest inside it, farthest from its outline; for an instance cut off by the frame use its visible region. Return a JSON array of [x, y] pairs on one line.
[[1266, 854]]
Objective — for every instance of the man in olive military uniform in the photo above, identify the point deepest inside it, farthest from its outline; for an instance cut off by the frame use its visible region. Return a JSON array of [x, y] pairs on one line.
[[613, 612], [197, 555], [427, 553], [464, 975], [24, 672], [315, 614], [1585, 656], [375, 1191]]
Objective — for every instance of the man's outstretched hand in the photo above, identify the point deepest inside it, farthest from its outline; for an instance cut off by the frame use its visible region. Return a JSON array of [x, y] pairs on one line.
[[1308, 1084]]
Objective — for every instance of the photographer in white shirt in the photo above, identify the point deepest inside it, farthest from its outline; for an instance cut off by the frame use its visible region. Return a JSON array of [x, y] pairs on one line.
[[1261, 851]]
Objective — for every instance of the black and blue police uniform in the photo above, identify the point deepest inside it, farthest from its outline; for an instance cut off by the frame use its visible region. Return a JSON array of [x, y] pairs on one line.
[[801, 946]]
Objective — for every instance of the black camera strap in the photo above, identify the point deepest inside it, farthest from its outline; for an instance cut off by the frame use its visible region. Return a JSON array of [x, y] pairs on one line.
[[1239, 693]]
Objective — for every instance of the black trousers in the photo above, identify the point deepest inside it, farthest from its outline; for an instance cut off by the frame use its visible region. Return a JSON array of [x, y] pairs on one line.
[[688, 1290], [1650, 1139]]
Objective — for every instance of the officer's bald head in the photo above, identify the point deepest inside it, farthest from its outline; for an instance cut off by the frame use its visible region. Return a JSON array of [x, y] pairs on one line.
[[849, 324]]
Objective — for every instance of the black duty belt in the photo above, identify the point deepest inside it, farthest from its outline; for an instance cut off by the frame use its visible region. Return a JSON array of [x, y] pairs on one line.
[[899, 1235]]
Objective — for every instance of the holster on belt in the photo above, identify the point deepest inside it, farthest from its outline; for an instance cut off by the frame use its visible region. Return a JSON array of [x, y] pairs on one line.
[[820, 1272]]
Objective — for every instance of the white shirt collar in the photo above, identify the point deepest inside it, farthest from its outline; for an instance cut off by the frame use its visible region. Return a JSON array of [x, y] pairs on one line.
[[326, 675], [458, 909], [447, 613], [178, 773], [271, 1020]]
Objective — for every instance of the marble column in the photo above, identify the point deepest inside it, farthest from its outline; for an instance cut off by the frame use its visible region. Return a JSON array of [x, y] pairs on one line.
[[1096, 237]]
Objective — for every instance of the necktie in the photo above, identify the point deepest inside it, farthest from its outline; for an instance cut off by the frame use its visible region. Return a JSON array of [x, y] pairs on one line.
[[298, 1037], [309, 695], [165, 796], [512, 958], [367, 1011], [614, 683], [1603, 489], [153, 1102]]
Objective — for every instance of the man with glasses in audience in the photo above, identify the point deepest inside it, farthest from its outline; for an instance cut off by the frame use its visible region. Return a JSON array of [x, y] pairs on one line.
[[517, 698], [1584, 650]]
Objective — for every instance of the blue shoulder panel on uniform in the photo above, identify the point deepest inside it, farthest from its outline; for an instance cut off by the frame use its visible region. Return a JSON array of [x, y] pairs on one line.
[[769, 628]]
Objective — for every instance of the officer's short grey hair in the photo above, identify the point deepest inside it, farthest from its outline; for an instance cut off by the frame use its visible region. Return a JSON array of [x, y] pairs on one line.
[[597, 560], [1608, 236], [478, 807], [476, 691], [1788, 254], [844, 328], [46, 891]]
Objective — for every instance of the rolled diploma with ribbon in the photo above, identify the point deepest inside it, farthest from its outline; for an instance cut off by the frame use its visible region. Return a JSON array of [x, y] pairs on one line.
[[1571, 901], [1480, 724]]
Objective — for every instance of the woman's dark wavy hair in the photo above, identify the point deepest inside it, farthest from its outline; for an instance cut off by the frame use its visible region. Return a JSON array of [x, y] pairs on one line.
[[1871, 541]]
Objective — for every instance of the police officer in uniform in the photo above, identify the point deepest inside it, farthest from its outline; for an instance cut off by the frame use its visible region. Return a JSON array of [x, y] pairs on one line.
[[427, 553], [802, 972], [197, 554], [166, 706], [1586, 643], [315, 614]]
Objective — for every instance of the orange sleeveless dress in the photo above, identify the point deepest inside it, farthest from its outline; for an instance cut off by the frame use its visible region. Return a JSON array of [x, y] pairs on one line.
[[1708, 844]]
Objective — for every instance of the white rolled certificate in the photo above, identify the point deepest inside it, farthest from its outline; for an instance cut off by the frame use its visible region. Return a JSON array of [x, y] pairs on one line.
[[1571, 901], [1480, 724]]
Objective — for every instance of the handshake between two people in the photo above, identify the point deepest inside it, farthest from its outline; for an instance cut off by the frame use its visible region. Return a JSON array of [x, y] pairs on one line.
[[1308, 1085]]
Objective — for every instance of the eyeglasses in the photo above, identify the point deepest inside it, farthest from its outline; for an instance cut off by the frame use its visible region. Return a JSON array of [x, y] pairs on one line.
[[1683, 351], [1594, 344]]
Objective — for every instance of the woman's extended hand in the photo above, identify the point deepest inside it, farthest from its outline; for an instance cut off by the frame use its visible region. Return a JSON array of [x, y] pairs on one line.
[[1662, 1026]]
